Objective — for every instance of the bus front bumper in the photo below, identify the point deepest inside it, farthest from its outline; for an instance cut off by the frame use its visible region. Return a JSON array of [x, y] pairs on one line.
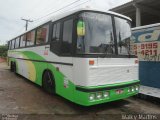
[[92, 96]]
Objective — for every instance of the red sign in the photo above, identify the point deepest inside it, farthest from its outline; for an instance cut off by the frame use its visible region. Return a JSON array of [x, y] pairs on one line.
[[46, 52]]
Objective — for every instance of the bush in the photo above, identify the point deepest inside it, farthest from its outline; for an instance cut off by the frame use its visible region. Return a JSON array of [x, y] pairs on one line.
[[3, 51]]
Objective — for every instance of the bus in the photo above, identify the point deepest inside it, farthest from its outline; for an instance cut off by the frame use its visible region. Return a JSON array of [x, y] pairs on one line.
[[82, 55]]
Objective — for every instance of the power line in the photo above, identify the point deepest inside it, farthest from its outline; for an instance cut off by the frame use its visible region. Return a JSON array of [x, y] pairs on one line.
[[38, 19], [20, 30], [56, 10], [79, 5], [34, 9], [27, 21], [57, 7]]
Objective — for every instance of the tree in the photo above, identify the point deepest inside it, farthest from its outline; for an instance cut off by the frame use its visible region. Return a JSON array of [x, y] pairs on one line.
[[3, 50]]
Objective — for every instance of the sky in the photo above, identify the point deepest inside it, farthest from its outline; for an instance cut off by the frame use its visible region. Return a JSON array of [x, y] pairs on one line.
[[12, 11]]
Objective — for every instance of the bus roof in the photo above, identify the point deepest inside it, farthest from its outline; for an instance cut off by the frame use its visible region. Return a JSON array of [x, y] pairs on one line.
[[146, 26], [89, 9], [65, 14]]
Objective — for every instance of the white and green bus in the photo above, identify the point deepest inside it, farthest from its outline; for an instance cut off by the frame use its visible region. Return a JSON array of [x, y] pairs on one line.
[[82, 55]]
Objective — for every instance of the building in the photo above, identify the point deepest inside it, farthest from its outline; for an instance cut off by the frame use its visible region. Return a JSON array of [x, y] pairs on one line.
[[142, 12]]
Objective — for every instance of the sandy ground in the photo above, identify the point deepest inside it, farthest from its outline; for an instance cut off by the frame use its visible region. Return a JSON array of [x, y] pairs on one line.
[[27, 101]]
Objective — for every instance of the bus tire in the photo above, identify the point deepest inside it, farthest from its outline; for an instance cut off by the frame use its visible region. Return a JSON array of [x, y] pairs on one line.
[[48, 82]]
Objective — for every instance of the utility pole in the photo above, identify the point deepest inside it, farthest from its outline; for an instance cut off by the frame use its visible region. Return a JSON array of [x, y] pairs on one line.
[[138, 13], [27, 21]]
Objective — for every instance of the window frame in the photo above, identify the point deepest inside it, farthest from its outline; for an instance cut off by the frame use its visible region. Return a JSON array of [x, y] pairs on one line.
[[55, 23], [74, 35], [114, 20], [49, 36], [49, 33], [25, 41], [72, 47], [96, 54], [16, 42], [59, 53], [35, 30], [10, 44], [13, 47], [57, 49], [116, 55]]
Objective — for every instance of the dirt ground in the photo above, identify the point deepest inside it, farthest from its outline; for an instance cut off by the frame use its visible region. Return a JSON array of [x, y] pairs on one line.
[[2, 60], [21, 99]]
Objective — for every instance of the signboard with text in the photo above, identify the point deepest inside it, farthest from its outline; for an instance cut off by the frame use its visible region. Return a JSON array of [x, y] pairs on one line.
[[147, 44]]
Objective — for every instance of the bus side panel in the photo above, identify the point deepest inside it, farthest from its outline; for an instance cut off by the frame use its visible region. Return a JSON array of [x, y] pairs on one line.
[[27, 66], [63, 76], [31, 68]]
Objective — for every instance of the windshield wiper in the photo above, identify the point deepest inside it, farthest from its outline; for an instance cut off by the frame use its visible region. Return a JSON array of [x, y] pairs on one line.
[[108, 50]]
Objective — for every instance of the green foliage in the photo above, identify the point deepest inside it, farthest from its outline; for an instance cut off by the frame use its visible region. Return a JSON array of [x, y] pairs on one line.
[[3, 51]]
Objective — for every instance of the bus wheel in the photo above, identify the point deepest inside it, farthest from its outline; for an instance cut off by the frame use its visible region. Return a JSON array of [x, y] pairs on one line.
[[48, 82]]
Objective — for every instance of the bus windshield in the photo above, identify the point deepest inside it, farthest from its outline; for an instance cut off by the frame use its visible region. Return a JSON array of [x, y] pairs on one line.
[[95, 34], [123, 34]]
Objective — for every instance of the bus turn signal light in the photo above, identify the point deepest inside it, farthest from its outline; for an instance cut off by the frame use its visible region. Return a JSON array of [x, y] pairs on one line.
[[91, 62]]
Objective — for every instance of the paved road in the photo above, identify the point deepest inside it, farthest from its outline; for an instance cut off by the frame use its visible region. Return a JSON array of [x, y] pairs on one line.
[[18, 96]]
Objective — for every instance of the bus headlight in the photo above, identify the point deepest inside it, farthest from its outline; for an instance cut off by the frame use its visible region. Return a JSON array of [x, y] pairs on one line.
[[99, 95], [132, 89], [92, 96], [106, 94], [137, 88], [129, 89]]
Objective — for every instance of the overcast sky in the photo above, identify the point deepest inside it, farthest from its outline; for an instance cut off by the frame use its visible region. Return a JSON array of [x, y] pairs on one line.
[[11, 12]]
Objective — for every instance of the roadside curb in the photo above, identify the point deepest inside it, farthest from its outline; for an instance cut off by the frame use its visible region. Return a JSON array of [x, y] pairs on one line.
[[149, 98]]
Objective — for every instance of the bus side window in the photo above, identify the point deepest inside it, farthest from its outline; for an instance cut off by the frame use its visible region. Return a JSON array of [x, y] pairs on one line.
[[30, 38], [23, 40], [55, 42], [66, 47], [56, 32], [9, 45], [17, 42], [42, 35], [13, 43]]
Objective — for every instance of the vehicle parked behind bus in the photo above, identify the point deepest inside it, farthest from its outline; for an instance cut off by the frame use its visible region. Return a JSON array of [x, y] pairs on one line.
[[147, 48]]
